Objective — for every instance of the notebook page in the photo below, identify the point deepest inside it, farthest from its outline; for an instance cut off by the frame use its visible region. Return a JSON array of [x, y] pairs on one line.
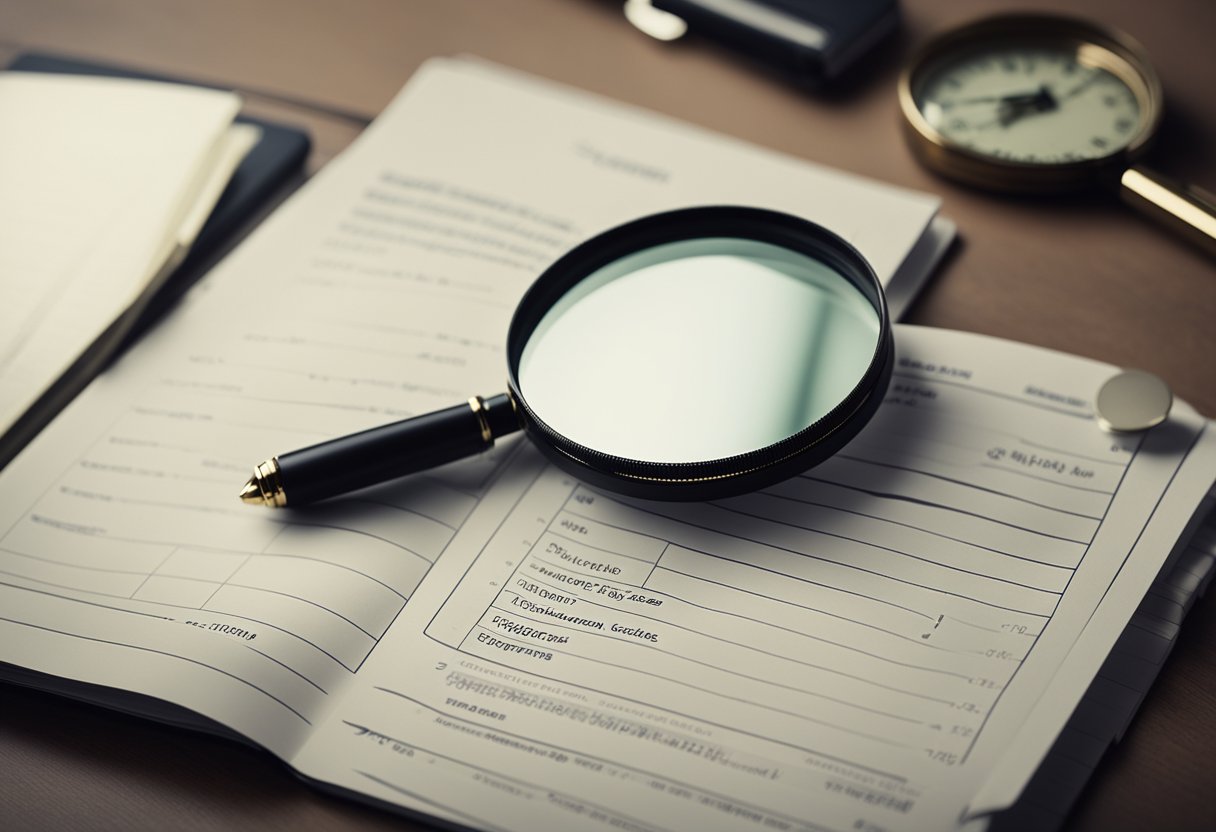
[[381, 290], [96, 175], [854, 648]]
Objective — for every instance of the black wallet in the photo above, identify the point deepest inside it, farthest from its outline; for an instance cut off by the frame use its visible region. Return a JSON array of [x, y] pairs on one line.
[[812, 42]]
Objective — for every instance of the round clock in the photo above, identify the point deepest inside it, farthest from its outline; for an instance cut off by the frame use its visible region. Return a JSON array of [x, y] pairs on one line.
[[1030, 102], [1039, 103]]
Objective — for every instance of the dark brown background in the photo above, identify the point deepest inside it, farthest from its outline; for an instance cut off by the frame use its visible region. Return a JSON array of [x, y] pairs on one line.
[[1079, 274]]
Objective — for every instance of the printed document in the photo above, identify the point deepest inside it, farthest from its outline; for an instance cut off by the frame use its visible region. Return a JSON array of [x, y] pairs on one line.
[[851, 649]]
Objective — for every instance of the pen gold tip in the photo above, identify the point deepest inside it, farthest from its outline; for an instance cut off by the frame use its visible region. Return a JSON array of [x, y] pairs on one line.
[[265, 487], [251, 494]]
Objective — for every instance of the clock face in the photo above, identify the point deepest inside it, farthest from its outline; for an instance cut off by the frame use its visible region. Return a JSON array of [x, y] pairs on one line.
[[1034, 105]]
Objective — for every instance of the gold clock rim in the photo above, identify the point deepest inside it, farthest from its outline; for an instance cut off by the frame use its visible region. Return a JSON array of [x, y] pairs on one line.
[[1093, 44]]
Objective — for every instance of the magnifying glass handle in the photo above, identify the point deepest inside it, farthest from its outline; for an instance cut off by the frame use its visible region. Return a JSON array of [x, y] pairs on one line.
[[1188, 210], [380, 454]]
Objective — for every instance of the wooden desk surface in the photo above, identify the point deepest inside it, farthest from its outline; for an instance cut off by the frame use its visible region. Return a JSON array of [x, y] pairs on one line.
[[1080, 274]]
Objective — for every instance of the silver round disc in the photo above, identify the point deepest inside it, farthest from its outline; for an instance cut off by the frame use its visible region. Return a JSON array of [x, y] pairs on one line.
[[1133, 400]]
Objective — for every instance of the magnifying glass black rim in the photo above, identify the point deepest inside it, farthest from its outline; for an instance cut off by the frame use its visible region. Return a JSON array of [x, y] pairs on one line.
[[728, 476]]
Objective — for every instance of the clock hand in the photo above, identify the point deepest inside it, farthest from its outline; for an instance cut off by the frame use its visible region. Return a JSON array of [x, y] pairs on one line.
[[988, 99], [1081, 87], [1014, 108]]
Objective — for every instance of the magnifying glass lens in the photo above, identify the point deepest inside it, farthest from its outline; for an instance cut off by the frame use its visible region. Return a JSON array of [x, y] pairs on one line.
[[700, 353], [698, 350]]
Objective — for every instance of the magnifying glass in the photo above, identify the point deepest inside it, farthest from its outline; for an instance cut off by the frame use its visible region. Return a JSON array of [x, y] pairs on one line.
[[1040, 103], [689, 355]]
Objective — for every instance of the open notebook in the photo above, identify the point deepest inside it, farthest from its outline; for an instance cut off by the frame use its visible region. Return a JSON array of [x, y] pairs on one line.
[[497, 646]]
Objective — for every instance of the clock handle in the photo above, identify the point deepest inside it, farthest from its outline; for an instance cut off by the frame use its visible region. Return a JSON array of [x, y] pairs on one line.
[[1188, 210]]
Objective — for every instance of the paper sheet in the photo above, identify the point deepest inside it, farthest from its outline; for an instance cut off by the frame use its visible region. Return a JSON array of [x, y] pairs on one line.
[[855, 648], [383, 289], [1113, 697], [97, 178]]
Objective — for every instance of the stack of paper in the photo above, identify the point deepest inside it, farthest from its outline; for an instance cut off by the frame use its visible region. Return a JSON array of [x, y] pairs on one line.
[[1115, 695], [104, 184]]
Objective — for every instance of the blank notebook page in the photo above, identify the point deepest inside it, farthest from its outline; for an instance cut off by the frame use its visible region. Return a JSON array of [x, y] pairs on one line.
[[96, 177]]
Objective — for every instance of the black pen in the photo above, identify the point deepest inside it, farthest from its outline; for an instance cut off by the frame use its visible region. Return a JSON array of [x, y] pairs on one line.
[[380, 454]]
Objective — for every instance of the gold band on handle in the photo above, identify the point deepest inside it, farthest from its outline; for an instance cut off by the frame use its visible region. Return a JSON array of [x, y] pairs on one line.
[[478, 406]]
